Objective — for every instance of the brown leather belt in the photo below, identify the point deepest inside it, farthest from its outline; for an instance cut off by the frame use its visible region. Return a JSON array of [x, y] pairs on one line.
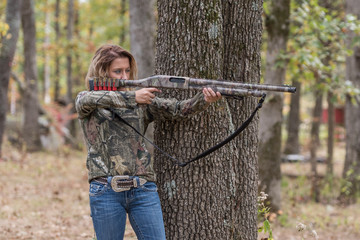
[[122, 183]]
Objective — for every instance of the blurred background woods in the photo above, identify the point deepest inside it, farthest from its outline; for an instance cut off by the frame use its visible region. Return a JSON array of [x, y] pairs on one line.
[[46, 47]]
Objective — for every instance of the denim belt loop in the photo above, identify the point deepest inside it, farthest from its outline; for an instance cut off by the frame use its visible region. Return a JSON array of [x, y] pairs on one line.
[[109, 179]]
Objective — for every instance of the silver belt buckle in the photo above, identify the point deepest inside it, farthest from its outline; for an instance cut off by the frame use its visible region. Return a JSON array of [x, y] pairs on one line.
[[114, 185]]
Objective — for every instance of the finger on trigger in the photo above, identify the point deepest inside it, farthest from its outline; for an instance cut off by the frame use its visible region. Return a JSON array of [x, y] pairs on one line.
[[206, 91], [212, 93]]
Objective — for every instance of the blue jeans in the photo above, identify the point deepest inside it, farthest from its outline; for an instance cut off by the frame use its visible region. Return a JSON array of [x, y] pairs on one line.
[[109, 208]]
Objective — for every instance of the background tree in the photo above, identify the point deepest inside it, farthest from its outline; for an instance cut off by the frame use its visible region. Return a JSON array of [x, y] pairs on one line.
[[216, 197], [69, 54], [351, 170], [31, 132], [46, 52], [57, 52], [8, 47], [69, 67], [123, 17], [277, 28], [142, 38], [316, 56], [292, 145]]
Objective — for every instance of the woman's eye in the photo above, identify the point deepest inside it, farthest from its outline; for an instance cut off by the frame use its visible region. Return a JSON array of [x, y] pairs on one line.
[[117, 71], [127, 70]]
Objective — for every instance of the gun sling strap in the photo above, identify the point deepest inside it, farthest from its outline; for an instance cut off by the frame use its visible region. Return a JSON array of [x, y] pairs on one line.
[[206, 152]]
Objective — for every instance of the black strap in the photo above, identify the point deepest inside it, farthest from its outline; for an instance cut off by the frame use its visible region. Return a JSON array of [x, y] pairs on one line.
[[210, 150]]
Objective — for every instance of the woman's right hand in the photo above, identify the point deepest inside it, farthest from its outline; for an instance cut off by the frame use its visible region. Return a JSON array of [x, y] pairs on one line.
[[145, 95]]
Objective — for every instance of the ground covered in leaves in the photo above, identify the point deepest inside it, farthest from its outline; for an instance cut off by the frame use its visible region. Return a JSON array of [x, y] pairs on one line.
[[45, 196]]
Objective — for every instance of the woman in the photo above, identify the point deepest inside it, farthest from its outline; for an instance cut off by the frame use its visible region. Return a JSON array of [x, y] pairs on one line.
[[120, 169]]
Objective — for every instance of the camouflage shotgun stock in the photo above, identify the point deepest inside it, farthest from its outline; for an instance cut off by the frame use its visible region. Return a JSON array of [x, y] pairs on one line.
[[226, 88]]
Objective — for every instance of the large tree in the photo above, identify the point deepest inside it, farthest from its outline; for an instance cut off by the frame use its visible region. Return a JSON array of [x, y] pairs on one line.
[[216, 197], [277, 28], [13, 16], [352, 118]]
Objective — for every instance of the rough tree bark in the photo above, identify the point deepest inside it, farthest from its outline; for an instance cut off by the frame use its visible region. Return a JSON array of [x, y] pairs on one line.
[[214, 198], [352, 116], [277, 26], [142, 38], [31, 132], [13, 19]]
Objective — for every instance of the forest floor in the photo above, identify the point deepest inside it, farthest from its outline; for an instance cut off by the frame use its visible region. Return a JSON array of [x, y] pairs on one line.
[[45, 196]]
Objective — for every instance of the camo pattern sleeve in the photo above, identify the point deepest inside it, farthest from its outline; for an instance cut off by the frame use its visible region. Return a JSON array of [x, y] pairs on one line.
[[87, 101], [113, 147], [172, 109]]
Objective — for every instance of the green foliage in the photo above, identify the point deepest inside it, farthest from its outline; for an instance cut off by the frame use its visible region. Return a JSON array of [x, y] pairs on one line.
[[263, 213], [96, 22], [350, 184], [329, 190], [4, 27], [317, 45]]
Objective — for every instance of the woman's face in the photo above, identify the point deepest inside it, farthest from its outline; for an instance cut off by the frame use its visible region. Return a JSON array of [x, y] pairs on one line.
[[120, 68]]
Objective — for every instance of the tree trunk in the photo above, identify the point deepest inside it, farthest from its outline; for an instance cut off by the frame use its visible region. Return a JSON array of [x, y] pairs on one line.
[[123, 10], [242, 62], [31, 102], [277, 26], [142, 38], [72, 125], [77, 80], [46, 46], [314, 144], [7, 53], [293, 124], [216, 197], [352, 116], [57, 54], [330, 140], [69, 37]]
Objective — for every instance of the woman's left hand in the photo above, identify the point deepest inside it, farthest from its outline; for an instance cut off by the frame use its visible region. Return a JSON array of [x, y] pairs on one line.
[[210, 95]]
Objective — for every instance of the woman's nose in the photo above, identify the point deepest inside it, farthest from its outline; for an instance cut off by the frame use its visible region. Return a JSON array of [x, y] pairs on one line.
[[124, 75]]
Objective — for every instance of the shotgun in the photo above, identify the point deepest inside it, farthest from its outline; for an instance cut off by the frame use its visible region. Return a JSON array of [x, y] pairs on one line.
[[226, 88]]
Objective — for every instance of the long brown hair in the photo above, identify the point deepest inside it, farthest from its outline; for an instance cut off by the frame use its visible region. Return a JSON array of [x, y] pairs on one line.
[[102, 59]]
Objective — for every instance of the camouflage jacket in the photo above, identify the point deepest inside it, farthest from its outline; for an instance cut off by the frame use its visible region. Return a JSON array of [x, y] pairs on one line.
[[114, 148]]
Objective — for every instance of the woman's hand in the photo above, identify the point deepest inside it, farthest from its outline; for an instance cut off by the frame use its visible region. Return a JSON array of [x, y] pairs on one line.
[[210, 95], [145, 95]]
